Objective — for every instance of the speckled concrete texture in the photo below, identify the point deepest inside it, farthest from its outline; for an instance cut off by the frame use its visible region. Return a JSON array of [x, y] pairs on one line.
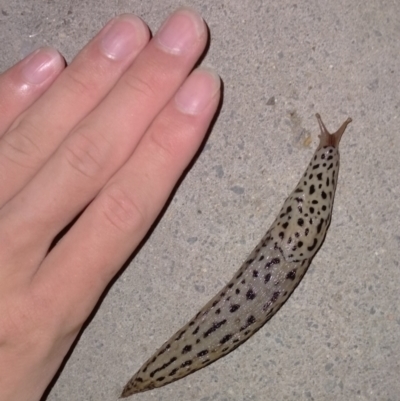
[[338, 336]]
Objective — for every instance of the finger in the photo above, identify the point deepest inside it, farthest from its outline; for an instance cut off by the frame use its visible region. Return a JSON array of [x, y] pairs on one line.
[[78, 89], [77, 270], [106, 139], [24, 82]]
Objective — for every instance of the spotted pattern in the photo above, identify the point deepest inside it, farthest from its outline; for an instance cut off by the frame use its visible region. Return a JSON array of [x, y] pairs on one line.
[[264, 282]]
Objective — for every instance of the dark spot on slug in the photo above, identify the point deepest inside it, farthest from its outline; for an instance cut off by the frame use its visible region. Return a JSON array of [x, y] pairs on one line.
[[291, 275], [267, 278], [300, 222], [215, 326], [172, 360], [186, 363], [255, 273], [266, 306], [186, 349], [237, 291], [312, 247], [312, 189], [285, 225], [250, 294], [319, 227], [196, 330], [315, 166], [323, 194], [173, 372], [180, 335], [275, 296], [230, 285], [202, 353], [226, 338], [261, 258], [273, 261], [218, 311], [234, 308]]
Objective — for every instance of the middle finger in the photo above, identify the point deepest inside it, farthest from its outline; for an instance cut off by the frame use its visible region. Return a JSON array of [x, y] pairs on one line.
[[104, 141]]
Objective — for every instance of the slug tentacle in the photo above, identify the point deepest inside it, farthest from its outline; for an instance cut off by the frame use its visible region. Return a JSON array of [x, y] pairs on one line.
[[328, 139], [262, 284]]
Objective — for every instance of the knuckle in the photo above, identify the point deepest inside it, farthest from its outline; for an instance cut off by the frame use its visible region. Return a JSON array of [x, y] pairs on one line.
[[85, 154], [121, 211], [139, 85], [18, 318], [20, 147], [163, 141], [80, 84]]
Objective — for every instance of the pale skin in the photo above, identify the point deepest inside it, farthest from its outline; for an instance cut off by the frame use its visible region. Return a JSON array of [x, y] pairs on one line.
[[114, 130]]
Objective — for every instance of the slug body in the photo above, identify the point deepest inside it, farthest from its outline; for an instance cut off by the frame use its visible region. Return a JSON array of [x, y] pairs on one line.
[[263, 283]]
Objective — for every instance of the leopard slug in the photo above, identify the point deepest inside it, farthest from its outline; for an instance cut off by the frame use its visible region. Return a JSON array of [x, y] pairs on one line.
[[263, 283]]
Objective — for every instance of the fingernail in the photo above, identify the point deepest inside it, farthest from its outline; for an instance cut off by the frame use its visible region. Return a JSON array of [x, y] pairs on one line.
[[122, 36], [198, 91], [40, 65], [180, 31]]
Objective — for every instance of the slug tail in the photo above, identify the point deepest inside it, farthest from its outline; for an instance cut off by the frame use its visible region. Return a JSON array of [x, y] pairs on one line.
[[328, 139]]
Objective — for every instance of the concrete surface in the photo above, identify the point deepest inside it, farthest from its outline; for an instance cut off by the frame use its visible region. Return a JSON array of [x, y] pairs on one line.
[[338, 337]]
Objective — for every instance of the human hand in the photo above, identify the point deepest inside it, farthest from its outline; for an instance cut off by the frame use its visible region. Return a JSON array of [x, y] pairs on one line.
[[112, 132]]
